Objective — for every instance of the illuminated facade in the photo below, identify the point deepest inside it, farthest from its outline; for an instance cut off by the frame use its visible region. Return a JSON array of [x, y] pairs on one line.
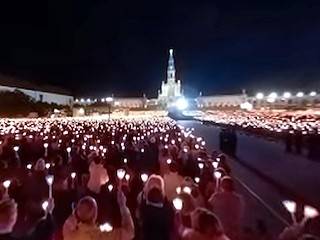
[[171, 89]]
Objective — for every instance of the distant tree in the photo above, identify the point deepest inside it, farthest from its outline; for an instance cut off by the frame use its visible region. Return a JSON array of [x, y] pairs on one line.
[[17, 104]]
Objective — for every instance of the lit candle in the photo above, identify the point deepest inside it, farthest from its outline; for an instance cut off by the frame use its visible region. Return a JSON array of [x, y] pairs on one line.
[[110, 187], [46, 145], [309, 212], [47, 165], [215, 164], [45, 205], [121, 173], [106, 227], [177, 203], [49, 179], [6, 185], [69, 153], [201, 165], [197, 179], [144, 177], [16, 149], [127, 177], [187, 190], [291, 207], [217, 175]]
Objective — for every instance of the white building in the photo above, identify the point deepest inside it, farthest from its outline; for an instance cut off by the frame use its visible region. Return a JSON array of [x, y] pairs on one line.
[[171, 89], [221, 101], [47, 94]]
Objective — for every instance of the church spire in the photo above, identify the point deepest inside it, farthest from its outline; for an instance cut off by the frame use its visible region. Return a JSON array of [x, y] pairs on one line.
[[171, 72]]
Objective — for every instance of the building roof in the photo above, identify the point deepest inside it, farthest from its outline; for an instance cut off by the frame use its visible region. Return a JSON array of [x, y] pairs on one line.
[[10, 81]]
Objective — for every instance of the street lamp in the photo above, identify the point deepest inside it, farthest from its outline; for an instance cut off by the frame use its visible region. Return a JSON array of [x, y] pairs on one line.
[[286, 94], [181, 104], [300, 94], [259, 96], [109, 100], [313, 94]]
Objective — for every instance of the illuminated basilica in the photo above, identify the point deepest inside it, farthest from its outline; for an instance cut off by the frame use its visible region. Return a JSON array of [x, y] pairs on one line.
[[171, 89]]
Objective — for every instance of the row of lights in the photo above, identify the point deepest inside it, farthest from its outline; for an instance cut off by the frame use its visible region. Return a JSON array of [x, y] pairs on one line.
[[88, 100], [274, 95]]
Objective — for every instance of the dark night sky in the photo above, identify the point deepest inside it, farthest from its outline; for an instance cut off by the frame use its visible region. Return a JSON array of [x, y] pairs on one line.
[[97, 47]]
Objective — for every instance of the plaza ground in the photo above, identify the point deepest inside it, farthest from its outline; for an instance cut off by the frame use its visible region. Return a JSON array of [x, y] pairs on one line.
[[266, 175]]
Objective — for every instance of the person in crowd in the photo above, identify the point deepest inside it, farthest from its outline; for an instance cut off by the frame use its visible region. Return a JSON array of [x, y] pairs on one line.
[[81, 225], [98, 175], [172, 180], [229, 207], [205, 226], [155, 213], [43, 230]]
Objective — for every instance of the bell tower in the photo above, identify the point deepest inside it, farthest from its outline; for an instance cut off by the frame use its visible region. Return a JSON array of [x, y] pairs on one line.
[[171, 71]]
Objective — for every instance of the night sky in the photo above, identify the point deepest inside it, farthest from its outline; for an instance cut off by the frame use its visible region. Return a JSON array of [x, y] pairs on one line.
[[99, 47]]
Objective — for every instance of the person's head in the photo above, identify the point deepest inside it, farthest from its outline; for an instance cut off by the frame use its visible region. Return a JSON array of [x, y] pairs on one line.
[[188, 203], [87, 210], [227, 184], [308, 237], [155, 195], [8, 215], [97, 160], [173, 167], [154, 187], [40, 165], [206, 222]]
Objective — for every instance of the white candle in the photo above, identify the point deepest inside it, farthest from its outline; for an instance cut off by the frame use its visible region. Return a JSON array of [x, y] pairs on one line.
[[217, 175], [121, 173], [6, 185], [144, 177], [291, 207], [49, 179], [106, 227], [46, 145], [177, 203]]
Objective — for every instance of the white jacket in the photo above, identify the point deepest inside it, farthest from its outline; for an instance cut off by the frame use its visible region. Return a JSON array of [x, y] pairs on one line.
[[80, 231], [98, 177]]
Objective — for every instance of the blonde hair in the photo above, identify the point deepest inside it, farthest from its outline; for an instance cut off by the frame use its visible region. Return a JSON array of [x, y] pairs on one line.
[[89, 216]]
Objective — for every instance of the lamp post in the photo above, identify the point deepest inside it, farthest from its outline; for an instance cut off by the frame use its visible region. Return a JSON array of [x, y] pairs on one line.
[[109, 100]]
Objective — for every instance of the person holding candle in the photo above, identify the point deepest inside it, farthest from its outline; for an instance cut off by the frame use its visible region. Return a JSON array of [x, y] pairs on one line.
[[81, 225], [43, 230], [98, 175], [229, 207], [172, 180], [205, 226], [155, 213]]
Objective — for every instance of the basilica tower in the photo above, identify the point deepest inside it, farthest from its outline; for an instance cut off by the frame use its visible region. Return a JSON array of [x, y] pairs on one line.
[[171, 89]]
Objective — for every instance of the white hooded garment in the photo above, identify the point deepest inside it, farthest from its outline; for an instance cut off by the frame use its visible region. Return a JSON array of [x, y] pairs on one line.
[[98, 177]]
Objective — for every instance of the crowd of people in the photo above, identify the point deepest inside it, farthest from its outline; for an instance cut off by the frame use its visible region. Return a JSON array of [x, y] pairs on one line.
[[299, 130], [142, 178]]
